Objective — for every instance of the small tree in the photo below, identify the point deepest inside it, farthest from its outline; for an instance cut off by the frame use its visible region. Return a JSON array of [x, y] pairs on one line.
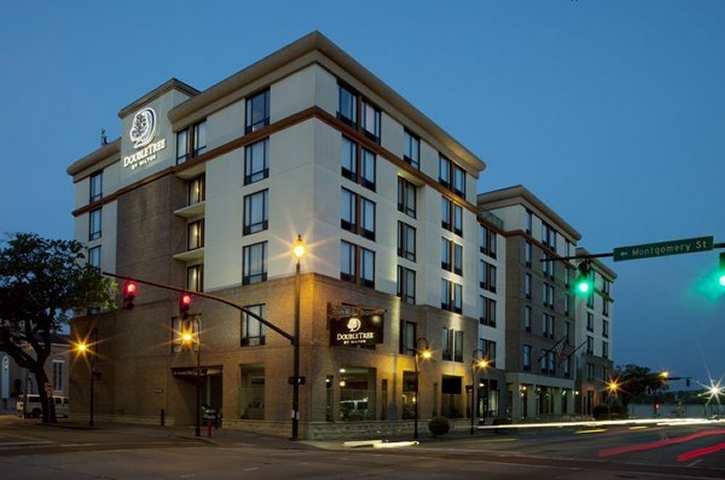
[[42, 282]]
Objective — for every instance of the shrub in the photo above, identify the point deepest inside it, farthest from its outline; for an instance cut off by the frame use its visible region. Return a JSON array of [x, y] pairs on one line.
[[439, 426], [602, 412]]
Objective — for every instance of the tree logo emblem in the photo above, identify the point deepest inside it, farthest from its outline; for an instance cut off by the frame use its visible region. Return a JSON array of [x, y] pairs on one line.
[[354, 324], [143, 126]]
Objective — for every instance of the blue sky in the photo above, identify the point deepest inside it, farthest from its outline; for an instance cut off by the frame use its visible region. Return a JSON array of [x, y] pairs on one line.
[[612, 112]]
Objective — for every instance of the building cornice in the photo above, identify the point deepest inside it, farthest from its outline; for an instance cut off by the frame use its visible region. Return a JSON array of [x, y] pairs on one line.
[[310, 43], [105, 151], [519, 194], [171, 84]]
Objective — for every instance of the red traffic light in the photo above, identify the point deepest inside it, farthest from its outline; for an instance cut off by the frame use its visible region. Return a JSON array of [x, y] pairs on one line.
[[130, 289], [184, 304]]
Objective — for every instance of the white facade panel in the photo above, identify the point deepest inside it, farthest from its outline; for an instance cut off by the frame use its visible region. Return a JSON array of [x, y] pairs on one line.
[[225, 125]]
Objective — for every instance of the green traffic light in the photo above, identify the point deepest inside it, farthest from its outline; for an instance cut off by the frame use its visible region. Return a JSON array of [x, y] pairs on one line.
[[583, 287], [722, 280]]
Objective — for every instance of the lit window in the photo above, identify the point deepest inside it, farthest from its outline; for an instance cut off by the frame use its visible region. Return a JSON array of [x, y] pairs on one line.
[[406, 284], [195, 278], [196, 191], [253, 331], [195, 235]]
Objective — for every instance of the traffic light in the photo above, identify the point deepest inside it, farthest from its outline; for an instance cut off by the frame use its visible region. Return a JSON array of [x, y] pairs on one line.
[[721, 272], [130, 289], [184, 304], [583, 284]]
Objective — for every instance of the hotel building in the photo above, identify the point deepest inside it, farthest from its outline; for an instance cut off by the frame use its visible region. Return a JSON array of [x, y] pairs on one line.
[[540, 305], [208, 190]]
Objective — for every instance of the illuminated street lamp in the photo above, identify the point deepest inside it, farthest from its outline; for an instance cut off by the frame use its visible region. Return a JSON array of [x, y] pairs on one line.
[[298, 250], [425, 353], [479, 361], [664, 375], [82, 349], [613, 387], [188, 340]]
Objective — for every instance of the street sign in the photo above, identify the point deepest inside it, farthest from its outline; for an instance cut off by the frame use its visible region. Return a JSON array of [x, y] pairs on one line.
[[661, 249]]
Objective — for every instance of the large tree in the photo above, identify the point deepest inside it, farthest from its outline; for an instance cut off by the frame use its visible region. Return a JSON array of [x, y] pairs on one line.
[[42, 283], [637, 381]]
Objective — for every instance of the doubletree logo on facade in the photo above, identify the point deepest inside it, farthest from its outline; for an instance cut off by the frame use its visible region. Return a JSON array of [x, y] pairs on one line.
[[362, 330], [141, 134]]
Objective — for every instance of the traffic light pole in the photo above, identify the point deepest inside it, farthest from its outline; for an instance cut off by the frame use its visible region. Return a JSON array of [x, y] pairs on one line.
[[293, 339]]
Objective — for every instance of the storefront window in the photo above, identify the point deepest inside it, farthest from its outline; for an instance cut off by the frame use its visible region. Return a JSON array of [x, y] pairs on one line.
[[357, 394], [409, 398], [251, 392], [452, 398]]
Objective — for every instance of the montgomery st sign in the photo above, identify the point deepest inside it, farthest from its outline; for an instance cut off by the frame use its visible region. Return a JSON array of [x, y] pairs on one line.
[[661, 249]]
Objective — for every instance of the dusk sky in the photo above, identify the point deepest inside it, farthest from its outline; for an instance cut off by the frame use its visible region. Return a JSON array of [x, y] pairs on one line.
[[613, 113]]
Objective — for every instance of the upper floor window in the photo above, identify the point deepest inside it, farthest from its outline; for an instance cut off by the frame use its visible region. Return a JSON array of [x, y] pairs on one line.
[[257, 112], [605, 307], [451, 216], [527, 318], [548, 235], [354, 207], [371, 121], [459, 180], [590, 345], [58, 375], [94, 224], [528, 253], [96, 187], [256, 212], [195, 234], [195, 190], [94, 257], [488, 241], [451, 296], [406, 241], [488, 348], [254, 263], [407, 338], [253, 331], [358, 164], [605, 328], [606, 284], [547, 266], [547, 326], [199, 138], [347, 110], [488, 311], [195, 278], [488, 277], [256, 166], [407, 197], [357, 264], [590, 321], [529, 221], [444, 171], [605, 350], [190, 142], [412, 149], [527, 285], [451, 256], [526, 357], [406, 284], [452, 343]]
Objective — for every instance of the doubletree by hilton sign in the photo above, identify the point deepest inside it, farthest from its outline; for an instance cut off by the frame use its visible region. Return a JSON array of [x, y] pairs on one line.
[[141, 134], [350, 325]]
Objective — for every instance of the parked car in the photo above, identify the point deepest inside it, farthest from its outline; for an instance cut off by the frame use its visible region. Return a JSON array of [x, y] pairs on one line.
[[35, 409]]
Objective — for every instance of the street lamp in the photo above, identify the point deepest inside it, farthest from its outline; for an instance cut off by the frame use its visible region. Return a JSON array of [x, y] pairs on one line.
[[83, 349], [478, 361], [425, 353], [612, 387], [298, 250], [187, 341]]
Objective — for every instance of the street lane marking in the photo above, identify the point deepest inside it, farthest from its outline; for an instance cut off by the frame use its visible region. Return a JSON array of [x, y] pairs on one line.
[[692, 464], [640, 427], [591, 430]]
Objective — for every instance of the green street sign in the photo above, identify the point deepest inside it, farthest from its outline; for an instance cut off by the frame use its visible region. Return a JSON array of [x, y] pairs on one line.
[[661, 249]]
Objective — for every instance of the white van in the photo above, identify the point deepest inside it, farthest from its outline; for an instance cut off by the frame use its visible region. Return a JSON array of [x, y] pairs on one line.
[[35, 409]]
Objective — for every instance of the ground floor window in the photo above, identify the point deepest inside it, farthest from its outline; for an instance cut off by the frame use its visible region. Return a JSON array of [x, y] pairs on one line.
[[451, 396], [409, 397], [357, 394], [544, 401], [251, 392]]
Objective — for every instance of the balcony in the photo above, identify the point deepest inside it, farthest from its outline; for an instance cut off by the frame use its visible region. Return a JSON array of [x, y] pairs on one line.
[[190, 255], [190, 211]]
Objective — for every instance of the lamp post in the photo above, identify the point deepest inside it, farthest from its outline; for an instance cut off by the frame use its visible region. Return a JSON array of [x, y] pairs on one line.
[[426, 354], [478, 361], [83, 349], [299, 251], [612, 388], [188, 339]]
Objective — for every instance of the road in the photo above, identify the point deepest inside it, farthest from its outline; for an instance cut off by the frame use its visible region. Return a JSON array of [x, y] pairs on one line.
[[31, 451]]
